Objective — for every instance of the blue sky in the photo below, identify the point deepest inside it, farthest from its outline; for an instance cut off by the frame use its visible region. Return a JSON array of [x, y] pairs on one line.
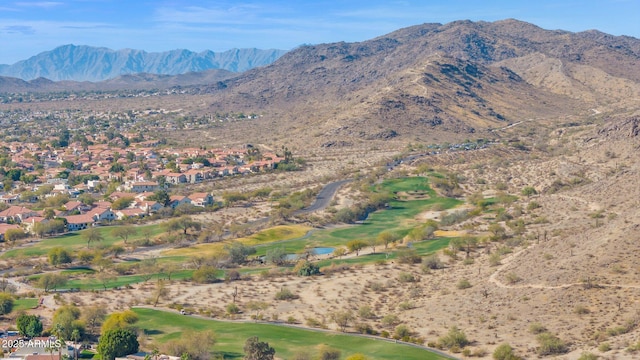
[[30, 27]]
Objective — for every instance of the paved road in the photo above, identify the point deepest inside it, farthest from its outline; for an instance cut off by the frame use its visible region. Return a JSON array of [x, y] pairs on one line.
[[324, 197]]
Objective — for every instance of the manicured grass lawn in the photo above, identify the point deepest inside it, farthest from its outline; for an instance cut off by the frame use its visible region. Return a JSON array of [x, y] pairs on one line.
[[75, 241], [422, 248], [286, 341], [399, 218], [268, 236], [94, 284], [24, 304]]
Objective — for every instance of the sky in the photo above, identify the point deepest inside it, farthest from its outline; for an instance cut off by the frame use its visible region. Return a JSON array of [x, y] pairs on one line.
[[30, 27]]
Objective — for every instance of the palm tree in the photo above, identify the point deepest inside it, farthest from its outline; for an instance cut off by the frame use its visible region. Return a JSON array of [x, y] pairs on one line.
[[58, 329], [75, 335]]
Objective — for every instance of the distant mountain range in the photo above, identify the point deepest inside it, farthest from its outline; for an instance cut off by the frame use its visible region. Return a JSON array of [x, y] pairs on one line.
[[87, 63]]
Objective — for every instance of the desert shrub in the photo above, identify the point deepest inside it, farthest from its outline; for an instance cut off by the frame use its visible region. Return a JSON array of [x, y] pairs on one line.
[[402, 332], [628, 326], [328, 353], [632, 348], [581, 310], [285, 294], [537, 328], [406, 305], [512, 278], [550, 344], [232, 308], [604, 347], [408, 256], [504, 352], [406, 277], [533, 205], [454, 338], [463, 284], [390, 320], [494, 259], [232, 275], [357, 356], [454, 218], [588, 356], [366, 312], [306, 268], [315, 323], [206, 274], [364, 328], [301, 355], [376, 286], [432, 262]]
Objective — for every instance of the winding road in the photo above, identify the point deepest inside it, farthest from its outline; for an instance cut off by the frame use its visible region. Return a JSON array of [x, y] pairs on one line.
[[324, 197]]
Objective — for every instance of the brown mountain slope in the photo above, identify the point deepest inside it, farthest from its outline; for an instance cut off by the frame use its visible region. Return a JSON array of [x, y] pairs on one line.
[[431, 80]]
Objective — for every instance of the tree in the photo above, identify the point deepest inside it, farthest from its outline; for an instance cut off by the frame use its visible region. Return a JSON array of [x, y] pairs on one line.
[[356, 245], [93, 316], [385, 238], [6, 303], [92, 235], [205, 275], [183, 223], [421, 232], [257, 306], [254, 349], [12, 235], [58, 255], [276, 256], [86, 199], [342, 319], [51, 281], [306, 268], [161, 197], [238, 252], [48, 213], [29, 325], [122, 203], [105, 278], [191, 345], [497, 231], [116, 343], [65, 320], [469, 243], [119, 320], [160, 291]]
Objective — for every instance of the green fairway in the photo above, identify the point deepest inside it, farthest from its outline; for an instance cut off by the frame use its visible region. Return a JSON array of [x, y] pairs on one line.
[[76, 241], [94, 284], [399, 217], [230, 337], [24, 304], [264, 237]]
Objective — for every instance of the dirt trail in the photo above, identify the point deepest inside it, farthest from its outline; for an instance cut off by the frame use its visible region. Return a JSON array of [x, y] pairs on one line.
[[493, 279]]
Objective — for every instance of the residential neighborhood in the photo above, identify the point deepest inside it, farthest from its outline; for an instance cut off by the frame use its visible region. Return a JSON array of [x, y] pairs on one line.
[[86, 183]]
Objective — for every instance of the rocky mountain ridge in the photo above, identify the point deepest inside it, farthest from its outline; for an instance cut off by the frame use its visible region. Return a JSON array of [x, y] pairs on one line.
[[87, 63]]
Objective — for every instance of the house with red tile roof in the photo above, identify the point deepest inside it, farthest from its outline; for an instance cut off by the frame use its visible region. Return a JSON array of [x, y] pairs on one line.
[[16, 214], [5, 227], [79, 222], [201, 199], [177, 200]]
